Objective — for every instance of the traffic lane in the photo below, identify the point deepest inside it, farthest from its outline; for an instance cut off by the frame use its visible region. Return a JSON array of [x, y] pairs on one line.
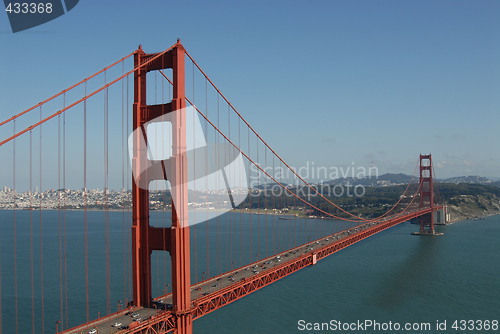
[[214, 284], [125, 319]]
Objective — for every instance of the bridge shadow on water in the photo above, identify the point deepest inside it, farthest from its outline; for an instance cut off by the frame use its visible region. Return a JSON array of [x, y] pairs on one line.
[[411, 277]]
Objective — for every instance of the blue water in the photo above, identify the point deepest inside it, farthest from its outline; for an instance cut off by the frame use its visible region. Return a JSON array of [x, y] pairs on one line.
[[392, 276]]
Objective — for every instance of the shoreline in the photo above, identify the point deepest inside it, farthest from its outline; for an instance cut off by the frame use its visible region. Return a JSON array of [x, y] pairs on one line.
[[286, 216], [471, 218]]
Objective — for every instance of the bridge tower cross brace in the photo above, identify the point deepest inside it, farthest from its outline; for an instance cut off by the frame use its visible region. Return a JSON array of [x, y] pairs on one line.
[[145, 238], [426, 194]]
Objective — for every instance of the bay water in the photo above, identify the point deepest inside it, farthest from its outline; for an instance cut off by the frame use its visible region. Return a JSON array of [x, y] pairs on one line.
[[392, 277]]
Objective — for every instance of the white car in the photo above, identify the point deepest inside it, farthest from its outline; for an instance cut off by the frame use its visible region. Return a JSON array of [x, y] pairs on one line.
[[117, 324], [92, 331]]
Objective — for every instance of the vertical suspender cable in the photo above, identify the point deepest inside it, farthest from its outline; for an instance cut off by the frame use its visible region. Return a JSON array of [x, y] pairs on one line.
[[219, 218], [163, 194], [64, 215], [14, 222], [278, 207], [232, 235], [124, 298], [288, 225], [228, 214], [128, 205], [0, 287], [304, 211], [284, 225], [296, 215], [156, 211], [274, 206], [59, 216], [206, 173], [207, 222], [194, 189], [85, 204], [306, 223], [228, 255], [281, 234], [108, 306], [217, 154], [265, 201], [41, 234], [249, 200], [258, 202], [232, 217], [158, 194], [31, 236], [106, 198], [242, 244]]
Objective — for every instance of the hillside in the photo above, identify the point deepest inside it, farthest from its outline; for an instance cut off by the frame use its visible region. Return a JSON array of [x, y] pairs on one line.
[[389, 179], [464, 200], [468, 201], [467, 179], [380, 181]]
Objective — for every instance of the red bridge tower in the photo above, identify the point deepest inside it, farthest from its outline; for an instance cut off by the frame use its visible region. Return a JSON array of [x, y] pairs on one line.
[[145, 238]]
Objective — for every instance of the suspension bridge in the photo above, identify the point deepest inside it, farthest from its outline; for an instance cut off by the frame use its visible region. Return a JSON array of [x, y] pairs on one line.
[[207, 209]]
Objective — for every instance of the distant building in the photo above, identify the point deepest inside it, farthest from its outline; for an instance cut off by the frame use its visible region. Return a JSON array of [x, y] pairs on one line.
[[384, 183]]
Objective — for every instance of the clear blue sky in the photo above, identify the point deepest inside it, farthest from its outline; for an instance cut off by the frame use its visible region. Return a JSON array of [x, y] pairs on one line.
[[334, 82]]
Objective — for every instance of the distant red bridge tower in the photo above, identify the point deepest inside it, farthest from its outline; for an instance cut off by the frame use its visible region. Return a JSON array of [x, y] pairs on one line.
[[426, 194]]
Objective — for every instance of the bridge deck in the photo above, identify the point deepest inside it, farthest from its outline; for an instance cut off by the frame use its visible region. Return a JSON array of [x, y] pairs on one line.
[[218, 291]]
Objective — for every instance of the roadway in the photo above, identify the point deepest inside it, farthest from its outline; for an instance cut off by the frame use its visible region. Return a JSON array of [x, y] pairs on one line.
[[162, 304]]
